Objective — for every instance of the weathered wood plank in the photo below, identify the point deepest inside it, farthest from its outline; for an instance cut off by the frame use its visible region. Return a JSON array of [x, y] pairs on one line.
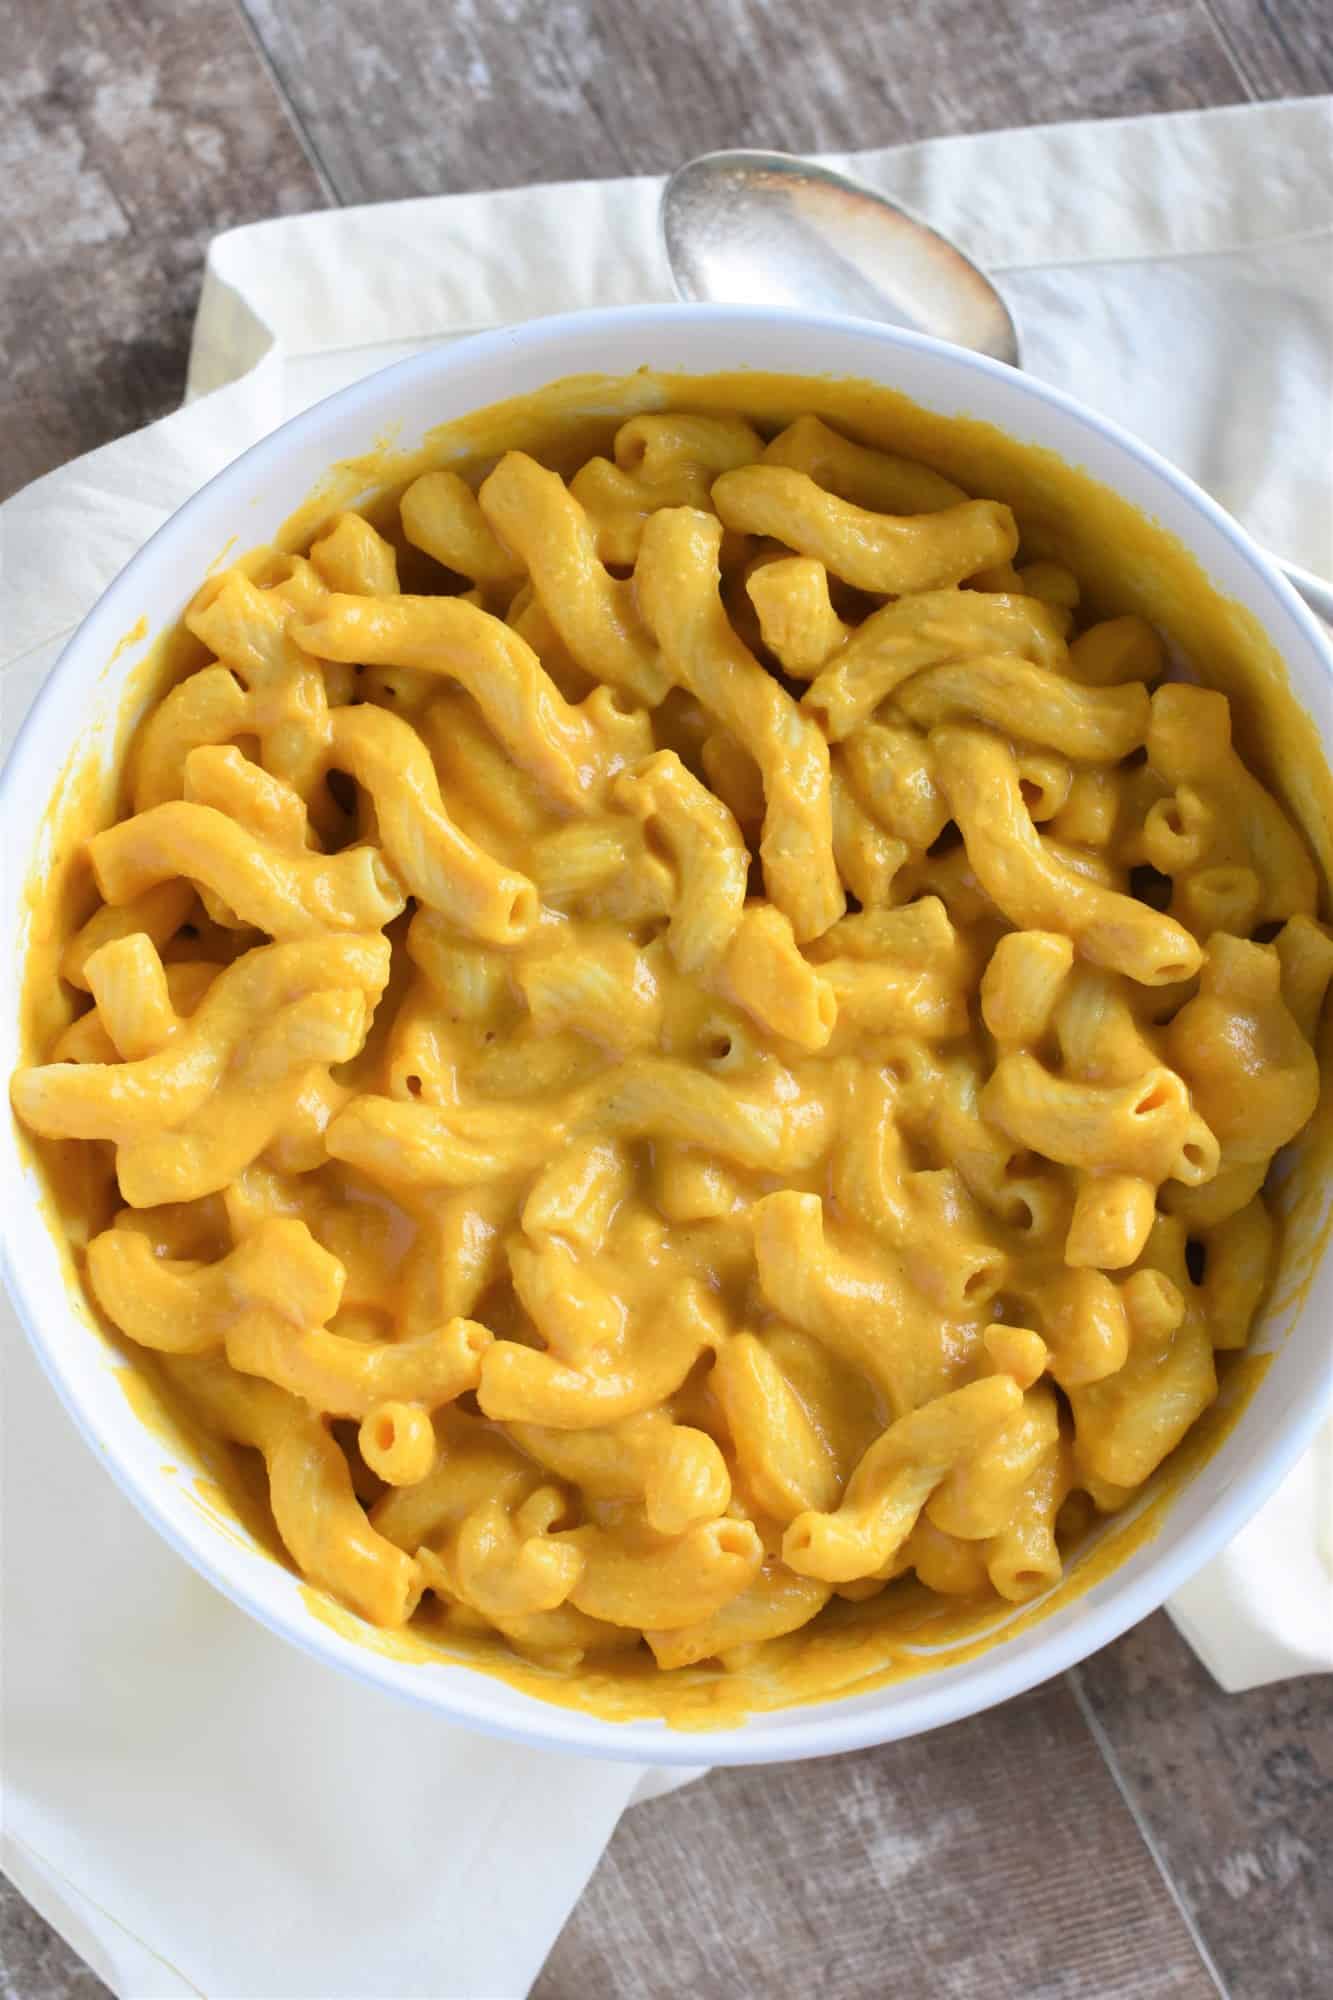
[[1282, 48], [419, 99], [1236, 1791], [35, 1962], [995, 1858], [130, 134]]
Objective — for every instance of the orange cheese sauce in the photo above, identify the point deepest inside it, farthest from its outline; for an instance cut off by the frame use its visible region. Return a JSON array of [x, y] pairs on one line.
[[1125, 564]]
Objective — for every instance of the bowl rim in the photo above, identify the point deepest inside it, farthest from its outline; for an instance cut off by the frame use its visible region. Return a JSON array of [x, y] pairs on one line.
[[828, 1724]]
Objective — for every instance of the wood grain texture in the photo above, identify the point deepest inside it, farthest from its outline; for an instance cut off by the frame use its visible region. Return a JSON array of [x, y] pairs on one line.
[[129, 135], [419, 99], [1236, 1793], [35, 1962], [992, 1859], [1282, 48]]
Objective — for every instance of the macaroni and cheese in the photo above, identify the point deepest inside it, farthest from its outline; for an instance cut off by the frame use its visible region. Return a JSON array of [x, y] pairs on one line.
[[720, 1048]]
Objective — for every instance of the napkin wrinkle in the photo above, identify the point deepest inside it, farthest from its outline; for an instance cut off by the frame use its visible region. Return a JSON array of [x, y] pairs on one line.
[[123, 1962], [1224, 248]]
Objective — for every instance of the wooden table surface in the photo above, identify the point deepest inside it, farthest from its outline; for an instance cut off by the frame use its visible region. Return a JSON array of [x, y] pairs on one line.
[[1127, 1831]]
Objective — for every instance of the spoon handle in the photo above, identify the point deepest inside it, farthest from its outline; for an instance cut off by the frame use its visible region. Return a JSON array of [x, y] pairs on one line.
[[1317, 594]]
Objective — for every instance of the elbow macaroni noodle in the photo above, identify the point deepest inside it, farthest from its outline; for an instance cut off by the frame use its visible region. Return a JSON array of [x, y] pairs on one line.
[[724, 1055]]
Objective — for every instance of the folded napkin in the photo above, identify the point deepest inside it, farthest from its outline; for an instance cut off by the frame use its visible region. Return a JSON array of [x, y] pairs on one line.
[[196, 1806]]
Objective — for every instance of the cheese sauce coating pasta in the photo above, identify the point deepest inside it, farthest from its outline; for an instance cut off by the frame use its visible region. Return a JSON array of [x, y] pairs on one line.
[[721, 1049]]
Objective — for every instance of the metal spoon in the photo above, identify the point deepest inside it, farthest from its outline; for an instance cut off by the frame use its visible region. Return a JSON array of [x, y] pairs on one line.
[[750, 228]]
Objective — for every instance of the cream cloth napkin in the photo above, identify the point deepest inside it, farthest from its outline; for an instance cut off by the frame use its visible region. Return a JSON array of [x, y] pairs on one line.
[[196, 1806]]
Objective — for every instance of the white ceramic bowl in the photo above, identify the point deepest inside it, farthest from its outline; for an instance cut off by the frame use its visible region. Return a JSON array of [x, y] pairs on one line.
[[249, 501]]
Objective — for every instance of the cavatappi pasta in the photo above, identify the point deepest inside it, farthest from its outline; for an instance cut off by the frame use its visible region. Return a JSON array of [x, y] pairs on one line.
[[724, 1054]]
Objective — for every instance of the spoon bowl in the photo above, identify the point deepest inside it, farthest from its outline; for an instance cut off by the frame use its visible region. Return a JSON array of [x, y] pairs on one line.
[[767, 229]]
